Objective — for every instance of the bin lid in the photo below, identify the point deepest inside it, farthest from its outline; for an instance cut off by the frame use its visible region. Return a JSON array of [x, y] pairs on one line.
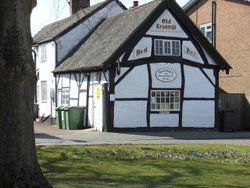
[[58, 108]]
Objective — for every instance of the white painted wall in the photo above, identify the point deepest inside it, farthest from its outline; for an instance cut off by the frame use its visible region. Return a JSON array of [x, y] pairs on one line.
[[159, 84], [142, 50], [134, 85], [164, 120], [172, 29], [198, 114], [122, 71], [130, 114], [190, 52], [44, 69], [68, 41], [196, 84]]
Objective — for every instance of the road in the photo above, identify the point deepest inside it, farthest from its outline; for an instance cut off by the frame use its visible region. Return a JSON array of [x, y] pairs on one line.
[[50, 135]]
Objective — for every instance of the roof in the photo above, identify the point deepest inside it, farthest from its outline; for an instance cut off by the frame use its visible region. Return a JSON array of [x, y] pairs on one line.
[[116, 33], [191, 3], [55, 29], [112, 33]]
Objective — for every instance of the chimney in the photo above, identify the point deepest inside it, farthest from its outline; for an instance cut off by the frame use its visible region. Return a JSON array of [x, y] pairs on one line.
[[76, 5], [135, 4]]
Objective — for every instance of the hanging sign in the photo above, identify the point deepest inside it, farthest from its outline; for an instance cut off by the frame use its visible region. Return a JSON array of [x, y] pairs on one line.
[[166, 75]]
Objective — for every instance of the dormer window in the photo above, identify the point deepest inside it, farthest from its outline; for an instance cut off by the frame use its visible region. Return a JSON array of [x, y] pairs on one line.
[[43, 52], [167, 47]]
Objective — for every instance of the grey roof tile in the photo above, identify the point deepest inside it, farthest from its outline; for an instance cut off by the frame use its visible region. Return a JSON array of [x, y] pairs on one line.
[[104, 42]]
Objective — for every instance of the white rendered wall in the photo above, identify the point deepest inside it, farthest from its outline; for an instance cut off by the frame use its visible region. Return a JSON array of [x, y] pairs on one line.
[[122, 71], [68, 41], [164, 120], [198, 114], [142, 50], [130, 114], [44, 69], [176, 83], [135, 84], [190, 52], [166, 25], [196, 84]]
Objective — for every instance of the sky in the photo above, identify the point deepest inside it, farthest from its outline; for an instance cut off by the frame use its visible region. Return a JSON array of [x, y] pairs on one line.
[[49, 11]]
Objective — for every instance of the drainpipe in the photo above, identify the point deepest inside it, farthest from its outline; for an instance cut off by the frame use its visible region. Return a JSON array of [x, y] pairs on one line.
[[214, 15], [56, 54]]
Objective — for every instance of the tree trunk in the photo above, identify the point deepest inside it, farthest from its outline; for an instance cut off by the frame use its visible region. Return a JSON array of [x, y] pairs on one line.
[[18, 162]]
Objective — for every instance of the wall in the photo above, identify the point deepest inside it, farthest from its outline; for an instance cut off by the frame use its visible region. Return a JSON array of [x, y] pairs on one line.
[[233, 42], [44, 70], [79, 90], [190, 75]]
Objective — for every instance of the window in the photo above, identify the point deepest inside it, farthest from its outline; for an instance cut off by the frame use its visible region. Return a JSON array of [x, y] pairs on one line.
[[44, 90], [65, 96], [167, 47], [206, 29], [165, 100], [38, 92], [43, 52]]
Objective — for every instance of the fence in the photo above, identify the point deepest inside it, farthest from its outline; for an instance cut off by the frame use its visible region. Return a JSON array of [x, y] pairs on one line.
[[234, 112]]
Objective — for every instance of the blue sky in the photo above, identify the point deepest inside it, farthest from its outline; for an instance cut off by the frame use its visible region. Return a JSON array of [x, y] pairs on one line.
[[48, 11]]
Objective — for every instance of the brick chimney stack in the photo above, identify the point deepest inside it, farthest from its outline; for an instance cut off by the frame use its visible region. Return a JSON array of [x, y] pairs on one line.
[[135, 4], [76, 5]]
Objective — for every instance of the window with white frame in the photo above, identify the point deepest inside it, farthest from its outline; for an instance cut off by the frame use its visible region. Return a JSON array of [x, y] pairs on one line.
[[65, 97], [44, 91], [43, 52], [167, 47], [165, 100], [38, 92], [206, 29]]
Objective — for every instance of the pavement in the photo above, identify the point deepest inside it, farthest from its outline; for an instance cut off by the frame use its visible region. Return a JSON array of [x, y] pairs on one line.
[[51, 135]]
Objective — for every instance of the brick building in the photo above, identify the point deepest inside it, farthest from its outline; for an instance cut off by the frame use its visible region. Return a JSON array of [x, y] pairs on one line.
[[226, 23]]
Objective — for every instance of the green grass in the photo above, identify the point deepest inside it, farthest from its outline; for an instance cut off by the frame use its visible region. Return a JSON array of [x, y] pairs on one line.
[[146, 166]]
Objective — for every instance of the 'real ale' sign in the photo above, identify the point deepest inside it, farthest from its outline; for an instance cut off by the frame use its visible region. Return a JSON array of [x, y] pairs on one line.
[[166, 75]]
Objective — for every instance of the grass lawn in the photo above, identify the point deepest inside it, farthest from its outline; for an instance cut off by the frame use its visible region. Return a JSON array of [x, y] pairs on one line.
[[146, 166]]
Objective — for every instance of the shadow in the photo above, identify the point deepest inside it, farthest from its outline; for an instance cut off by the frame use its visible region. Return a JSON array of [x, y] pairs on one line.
[[79, 141], [234, 111], [72, 167], [45, 136], [192, 135]]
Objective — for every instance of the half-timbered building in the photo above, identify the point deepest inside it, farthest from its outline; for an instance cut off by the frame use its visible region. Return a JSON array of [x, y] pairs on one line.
[[148, 67]]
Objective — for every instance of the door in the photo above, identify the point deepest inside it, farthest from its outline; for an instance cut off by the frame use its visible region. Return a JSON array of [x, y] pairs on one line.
[[98, 107]]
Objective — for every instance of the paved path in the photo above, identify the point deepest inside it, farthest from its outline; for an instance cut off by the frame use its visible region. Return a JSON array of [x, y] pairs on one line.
[[50, 135]]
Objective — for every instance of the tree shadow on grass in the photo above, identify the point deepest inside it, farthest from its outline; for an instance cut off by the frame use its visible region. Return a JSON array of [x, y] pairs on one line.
[[87, 170]]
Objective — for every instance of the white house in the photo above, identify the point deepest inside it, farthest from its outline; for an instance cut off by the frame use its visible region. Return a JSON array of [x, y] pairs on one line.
[[145, 68], [57, 41]]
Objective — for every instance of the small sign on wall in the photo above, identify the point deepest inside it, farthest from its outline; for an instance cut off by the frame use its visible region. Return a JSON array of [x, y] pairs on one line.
[[166, 23], [166, 75], [98, 92], [189, 51], [142, 49]]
